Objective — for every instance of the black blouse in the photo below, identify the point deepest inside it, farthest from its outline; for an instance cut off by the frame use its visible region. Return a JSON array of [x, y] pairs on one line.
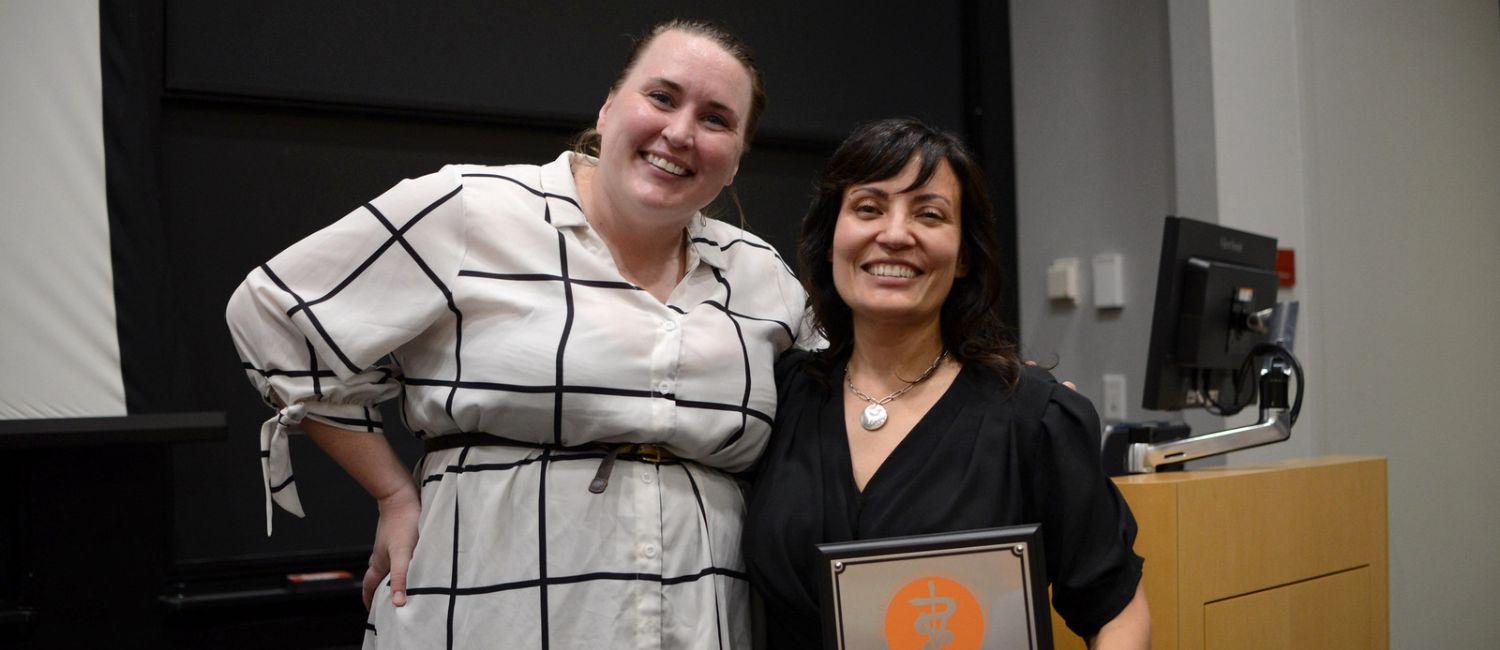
[[982, 457]]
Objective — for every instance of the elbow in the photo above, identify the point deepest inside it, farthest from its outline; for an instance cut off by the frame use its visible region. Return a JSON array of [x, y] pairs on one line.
[[1128, 630]]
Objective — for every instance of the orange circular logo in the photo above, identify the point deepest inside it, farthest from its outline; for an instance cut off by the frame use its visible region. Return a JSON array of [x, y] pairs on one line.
[[934, 613]]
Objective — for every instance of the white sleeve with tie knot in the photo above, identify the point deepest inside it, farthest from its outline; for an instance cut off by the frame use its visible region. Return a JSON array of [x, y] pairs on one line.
[[313, 324]]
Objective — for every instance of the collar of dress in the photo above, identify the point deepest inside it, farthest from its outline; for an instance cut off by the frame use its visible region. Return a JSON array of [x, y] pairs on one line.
[[557, 179]]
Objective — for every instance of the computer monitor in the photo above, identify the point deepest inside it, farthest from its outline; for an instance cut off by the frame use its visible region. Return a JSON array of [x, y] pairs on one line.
[[1214, 292], [1219, 340]]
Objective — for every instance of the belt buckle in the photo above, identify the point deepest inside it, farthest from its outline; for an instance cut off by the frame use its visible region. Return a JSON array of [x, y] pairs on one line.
[[650, 453]]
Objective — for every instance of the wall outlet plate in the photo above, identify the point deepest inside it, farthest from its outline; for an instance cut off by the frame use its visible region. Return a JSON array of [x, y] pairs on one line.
[[1114, 397]]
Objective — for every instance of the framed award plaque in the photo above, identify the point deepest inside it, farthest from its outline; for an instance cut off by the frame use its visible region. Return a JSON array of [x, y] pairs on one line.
[[967, 590]]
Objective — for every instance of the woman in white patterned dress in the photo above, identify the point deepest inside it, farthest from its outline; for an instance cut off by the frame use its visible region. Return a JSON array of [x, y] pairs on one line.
[[584, 354]]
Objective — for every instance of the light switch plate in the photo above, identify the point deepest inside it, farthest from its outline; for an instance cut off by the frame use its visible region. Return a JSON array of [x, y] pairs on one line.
[[1062, 279], [1109, 281]]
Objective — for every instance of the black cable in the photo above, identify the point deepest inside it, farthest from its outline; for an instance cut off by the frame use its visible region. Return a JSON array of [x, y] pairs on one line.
[[1278, 350], [1245, 376], [1237, 381], [1205, 380]]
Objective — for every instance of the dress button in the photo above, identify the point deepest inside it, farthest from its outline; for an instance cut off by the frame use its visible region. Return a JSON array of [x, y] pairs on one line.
[[664, 387], [648, 551], [646, 477], [669, 325]]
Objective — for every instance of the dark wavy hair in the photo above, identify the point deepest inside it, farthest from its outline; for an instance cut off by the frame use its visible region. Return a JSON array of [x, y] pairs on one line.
[[971, 327]]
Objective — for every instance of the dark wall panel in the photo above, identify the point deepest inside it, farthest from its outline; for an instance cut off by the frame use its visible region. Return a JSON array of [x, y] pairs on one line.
[[242, 126], [828, 65], [278, 117], [281, 116]]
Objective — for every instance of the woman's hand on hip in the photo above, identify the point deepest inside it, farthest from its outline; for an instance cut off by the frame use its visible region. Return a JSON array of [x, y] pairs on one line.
[[395, 540], [369, 459]]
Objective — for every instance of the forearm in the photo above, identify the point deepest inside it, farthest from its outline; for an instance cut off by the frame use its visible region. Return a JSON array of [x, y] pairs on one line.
[[367, 457], [1128, 630]]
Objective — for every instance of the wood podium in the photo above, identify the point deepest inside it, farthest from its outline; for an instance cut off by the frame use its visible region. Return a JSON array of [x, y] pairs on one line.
[[1289, 554]]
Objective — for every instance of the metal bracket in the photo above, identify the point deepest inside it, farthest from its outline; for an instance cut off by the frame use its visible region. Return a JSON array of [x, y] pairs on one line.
[[1274, 426]]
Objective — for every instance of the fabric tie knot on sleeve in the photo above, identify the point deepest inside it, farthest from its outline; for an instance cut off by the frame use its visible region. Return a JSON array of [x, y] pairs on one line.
[[276, 461]]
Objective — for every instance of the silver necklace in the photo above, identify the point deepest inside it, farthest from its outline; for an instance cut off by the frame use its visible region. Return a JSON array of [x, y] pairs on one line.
[[874, 415]]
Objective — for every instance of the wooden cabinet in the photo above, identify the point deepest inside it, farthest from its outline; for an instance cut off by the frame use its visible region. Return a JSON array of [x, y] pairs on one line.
[[1283, 555]]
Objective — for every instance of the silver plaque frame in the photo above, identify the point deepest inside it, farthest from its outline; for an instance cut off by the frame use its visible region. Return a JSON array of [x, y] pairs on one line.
[[1003, 568]]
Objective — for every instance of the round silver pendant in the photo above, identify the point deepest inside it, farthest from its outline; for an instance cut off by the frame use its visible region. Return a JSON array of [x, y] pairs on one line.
[[873, 417]]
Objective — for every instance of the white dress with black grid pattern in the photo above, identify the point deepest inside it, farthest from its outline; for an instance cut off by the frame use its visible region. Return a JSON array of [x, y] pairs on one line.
[[503, 312]]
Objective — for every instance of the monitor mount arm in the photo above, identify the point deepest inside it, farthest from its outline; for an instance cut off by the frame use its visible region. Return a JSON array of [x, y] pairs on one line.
[[1275, 425], [1276, 417]]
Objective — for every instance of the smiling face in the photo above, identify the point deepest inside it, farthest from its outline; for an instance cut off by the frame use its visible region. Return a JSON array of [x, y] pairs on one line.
[[896, 251], [672, 133]]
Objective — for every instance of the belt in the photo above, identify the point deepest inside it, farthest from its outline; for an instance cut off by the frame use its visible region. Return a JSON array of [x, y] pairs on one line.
[[638, 451]]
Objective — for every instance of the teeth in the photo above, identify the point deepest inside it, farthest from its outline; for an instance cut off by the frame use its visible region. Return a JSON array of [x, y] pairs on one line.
[[892, 271], [663, 165]]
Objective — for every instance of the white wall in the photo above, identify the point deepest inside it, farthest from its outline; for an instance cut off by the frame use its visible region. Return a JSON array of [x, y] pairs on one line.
[[1093, 175], [1254, 54], [1403, 176], [1365, 134]]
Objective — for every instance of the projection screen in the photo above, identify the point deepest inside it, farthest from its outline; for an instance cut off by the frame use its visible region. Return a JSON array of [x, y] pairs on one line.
[[59, 350]]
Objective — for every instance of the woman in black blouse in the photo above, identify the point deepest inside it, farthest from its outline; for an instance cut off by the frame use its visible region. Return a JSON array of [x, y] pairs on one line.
[[919, 417]]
